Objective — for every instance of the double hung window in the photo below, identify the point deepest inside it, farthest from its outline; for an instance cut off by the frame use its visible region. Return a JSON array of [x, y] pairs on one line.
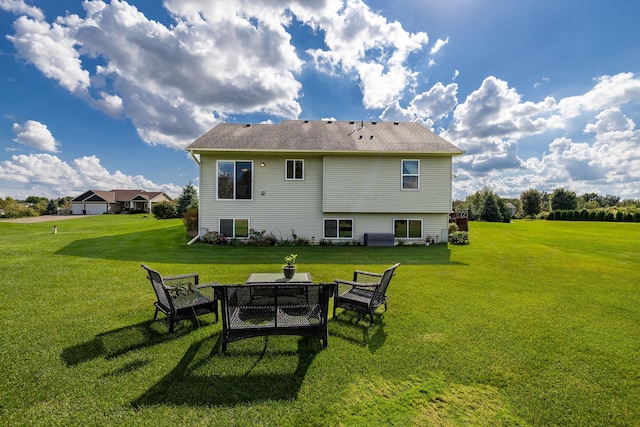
[[235, 180], [410, 174], [295, 170]]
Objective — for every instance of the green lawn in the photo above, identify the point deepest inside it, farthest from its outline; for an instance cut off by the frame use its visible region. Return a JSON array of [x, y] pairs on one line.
[[535, 323]]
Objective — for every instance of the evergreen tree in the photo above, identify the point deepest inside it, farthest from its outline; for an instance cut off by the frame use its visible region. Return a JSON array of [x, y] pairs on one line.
[[490, 210], [51, 209], [504, 210], [188, 199]]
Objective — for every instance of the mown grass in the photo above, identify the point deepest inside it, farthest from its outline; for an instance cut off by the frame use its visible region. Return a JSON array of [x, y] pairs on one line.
[[535, 323]]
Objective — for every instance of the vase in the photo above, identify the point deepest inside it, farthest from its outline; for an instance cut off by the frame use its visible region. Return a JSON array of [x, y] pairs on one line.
[[288, 271]]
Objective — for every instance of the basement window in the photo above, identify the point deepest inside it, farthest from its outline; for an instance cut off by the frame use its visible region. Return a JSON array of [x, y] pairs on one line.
[[234, 227], [338, 228], [407, 228]]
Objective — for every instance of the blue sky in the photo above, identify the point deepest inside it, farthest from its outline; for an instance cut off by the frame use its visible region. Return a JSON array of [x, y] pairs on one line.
[[106, 94]]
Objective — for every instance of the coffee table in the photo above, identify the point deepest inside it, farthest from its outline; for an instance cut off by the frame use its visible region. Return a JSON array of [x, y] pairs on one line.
[[278, 278]]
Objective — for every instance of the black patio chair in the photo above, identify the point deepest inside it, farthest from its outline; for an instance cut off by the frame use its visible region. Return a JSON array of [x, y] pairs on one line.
[[182, 297], [365, 293]]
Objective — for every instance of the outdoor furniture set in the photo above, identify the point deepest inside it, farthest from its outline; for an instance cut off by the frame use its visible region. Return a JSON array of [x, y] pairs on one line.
[[269, 304]]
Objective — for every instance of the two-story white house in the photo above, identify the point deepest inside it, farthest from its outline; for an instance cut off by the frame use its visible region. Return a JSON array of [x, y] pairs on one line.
[[331, 180]]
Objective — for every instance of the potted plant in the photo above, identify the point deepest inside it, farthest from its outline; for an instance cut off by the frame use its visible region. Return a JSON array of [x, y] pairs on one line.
[[289, 268]]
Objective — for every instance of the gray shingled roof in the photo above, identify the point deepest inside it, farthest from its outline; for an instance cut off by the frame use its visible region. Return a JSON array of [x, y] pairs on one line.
[[324, 136]]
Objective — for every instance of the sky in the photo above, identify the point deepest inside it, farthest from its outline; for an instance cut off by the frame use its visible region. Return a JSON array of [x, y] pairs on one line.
[[104, 95]]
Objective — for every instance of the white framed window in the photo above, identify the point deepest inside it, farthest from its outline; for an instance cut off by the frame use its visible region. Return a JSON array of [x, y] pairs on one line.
[[234, 227], [294, 169], [234, 180], [338, 228], [410, 175], [407, 228]]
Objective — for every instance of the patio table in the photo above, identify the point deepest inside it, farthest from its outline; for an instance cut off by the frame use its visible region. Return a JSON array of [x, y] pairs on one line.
[[278, 278]]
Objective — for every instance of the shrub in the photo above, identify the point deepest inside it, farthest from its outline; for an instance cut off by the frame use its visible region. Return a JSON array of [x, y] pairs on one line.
[[214, 238], [261, 238], [453, 227], [459, 238], [190, 219], [165, 210]]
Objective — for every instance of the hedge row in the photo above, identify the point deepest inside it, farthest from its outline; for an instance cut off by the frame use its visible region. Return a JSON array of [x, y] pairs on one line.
[[594, 215]]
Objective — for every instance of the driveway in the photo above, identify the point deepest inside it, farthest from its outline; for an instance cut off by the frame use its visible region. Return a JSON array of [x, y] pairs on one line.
[[42, 218]]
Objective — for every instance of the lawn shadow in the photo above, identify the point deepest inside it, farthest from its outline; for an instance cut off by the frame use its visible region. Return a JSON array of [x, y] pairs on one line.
[[245, 375], [358, 329], [166, 246], [120, 341]]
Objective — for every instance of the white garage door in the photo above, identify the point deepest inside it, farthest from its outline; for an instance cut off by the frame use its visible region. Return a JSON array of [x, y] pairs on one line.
[[96, 209], [76, 208]]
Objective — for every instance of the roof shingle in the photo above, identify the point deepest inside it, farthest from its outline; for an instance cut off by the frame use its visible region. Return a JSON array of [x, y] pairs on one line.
[[325, 136]]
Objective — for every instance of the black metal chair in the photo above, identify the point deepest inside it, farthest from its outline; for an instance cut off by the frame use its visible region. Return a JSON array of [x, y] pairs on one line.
[[181, 297], [364, 294]]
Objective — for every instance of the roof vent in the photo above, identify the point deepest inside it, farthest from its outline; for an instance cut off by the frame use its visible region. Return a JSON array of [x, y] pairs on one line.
[[360, 137], [248, 125], [371, 137], [374, 123], [329, 121], [396, 123], [306, 121]]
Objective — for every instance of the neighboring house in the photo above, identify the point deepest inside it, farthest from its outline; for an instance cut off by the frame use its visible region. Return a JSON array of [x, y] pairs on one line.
[[95, 202], [512, 208], [332, 180]]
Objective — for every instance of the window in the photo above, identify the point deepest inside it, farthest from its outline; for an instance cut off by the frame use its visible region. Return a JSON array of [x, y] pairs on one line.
[[338, 229], [235, 180], [234, 228], [407, 228], [295, 169], [410, 174]]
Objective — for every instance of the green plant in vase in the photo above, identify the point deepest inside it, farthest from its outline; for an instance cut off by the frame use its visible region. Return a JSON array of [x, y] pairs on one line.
[[289, 268]]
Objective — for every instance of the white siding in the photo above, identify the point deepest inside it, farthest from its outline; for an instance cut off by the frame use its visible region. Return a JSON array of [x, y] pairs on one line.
[[366, 189], [373, 184], [278, 206]]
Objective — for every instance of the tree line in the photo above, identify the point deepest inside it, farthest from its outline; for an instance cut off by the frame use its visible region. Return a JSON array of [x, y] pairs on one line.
[[34, 206], [486, 205]]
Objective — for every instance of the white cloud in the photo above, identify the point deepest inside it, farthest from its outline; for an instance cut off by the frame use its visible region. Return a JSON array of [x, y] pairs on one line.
[[491, 123], [426, 107], [439, 44], [496, 110], [19, 7], [170, 80], [175, 82], [53, 177], [362, 42], [35, 134], [609, 91], [52, 50], [437, 102]]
